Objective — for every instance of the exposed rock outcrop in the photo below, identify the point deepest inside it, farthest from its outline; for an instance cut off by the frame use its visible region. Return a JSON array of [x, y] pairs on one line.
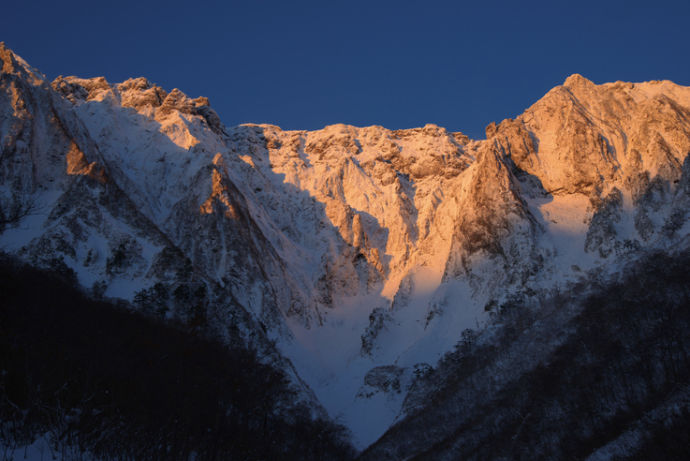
[[401, 238]]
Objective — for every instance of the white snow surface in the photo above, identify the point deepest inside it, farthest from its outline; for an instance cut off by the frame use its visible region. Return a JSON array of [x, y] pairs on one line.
[[45, 449], [426, 227]]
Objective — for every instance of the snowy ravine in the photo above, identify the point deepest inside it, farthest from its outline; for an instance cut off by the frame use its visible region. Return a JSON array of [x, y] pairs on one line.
[[362, 252]]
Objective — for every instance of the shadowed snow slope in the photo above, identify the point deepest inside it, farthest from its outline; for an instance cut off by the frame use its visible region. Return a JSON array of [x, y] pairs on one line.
[[362, 252]]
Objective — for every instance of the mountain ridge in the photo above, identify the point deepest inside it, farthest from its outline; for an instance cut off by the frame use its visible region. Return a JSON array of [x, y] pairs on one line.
[[352, 248]]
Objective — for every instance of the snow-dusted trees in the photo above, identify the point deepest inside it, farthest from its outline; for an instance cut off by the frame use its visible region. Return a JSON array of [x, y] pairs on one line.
[[100, 379], [601, 368]]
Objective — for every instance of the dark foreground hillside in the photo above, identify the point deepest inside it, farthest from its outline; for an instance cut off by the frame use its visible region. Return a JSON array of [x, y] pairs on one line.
[[101, 380], [595, 372]]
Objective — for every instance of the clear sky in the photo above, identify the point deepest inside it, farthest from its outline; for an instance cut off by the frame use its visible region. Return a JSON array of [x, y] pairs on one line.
[[304, 65]]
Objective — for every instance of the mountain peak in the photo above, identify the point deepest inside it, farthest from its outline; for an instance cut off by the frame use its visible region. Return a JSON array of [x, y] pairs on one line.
[[577, 81], [8, 58], [388, 243], [12, 64]]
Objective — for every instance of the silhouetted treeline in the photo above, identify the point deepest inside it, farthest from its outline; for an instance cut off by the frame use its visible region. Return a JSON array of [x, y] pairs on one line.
[[608, 370], [103, 380]]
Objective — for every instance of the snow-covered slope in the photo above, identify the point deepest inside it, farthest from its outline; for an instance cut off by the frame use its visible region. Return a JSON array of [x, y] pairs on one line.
[[363, 252]]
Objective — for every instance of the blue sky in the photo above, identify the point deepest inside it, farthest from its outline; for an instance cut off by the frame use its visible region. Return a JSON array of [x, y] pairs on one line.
[[304, 65]]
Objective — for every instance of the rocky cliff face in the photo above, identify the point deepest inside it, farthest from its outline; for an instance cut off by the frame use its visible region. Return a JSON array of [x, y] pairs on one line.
[[354, 248]]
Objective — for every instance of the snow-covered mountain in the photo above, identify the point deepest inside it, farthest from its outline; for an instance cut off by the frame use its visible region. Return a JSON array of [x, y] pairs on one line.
[[364, 253]]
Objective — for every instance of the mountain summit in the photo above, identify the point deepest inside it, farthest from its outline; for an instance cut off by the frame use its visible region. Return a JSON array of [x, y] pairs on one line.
[[363, 253]]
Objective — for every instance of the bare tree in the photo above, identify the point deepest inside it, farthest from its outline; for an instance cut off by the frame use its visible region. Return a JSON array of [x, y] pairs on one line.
[[16, 211]]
